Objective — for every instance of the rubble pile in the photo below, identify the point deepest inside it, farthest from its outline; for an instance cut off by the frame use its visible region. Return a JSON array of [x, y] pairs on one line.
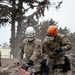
[[9, 66], [9, 70]]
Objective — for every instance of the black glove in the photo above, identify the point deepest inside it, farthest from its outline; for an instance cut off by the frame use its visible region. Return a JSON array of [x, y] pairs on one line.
[[43, 63], [44, 68], [58, 50], [30, 62]]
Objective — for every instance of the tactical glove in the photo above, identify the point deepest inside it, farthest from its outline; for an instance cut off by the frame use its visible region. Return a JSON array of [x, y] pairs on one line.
[[43, 63], [58, 50], [30, 62], [44, 68]]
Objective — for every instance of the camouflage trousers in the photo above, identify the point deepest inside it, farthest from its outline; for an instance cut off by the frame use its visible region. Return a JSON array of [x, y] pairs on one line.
[[37, 68], [57, 71]]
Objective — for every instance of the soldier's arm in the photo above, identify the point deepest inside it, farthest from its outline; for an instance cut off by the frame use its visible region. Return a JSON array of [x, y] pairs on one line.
[[21, 52], [66, 44], [37, 51], [45, 51]]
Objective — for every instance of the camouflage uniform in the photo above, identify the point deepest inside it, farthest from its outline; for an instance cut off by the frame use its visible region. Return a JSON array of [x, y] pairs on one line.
[[49, 53], [72, 58], [32, 51]]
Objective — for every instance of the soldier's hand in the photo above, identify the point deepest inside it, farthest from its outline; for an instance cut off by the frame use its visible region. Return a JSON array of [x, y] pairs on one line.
[[58, 50], [43, 63], [30, 62]]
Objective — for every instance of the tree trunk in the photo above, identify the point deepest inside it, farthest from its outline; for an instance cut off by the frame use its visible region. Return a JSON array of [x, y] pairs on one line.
[[12, 40], [18, 40], [19, 30]]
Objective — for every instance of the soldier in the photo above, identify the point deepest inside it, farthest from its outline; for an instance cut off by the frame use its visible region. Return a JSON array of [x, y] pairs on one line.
[[31, 47], [54, 48]]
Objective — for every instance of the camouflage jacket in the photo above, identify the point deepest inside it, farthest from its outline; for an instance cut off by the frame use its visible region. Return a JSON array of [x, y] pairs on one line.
[[49, 45], [32, 50]]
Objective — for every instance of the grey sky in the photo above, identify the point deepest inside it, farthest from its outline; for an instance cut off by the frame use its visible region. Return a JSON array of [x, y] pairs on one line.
[[4, 34], [65, 16]]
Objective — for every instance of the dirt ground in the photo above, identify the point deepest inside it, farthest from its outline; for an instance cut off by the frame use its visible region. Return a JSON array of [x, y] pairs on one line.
[[8, 66], [8, 61]]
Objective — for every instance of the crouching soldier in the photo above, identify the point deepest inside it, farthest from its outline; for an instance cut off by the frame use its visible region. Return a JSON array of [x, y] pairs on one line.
[[55, 46], [31, 48]]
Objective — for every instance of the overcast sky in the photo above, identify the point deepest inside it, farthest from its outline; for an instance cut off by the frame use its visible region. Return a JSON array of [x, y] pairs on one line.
[[65, 16]]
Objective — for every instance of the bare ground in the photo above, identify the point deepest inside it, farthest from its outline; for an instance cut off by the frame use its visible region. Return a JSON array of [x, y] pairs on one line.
[[8, 66]]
